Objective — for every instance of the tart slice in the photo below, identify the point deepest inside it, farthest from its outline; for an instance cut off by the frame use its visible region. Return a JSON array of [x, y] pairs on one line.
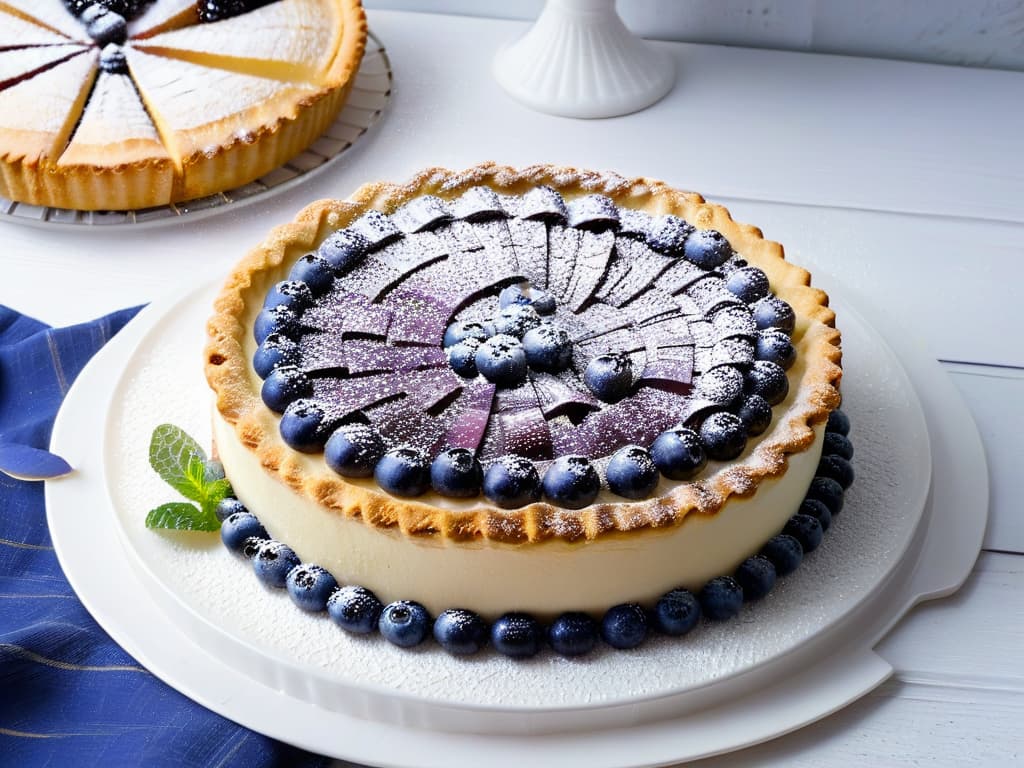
[[52, 14], [162, 16], [17, 32], [287, 40], [22, 63]]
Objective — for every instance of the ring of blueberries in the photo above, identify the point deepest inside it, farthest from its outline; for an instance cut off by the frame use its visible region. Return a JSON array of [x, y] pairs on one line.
[[406, 623], [736, 378]]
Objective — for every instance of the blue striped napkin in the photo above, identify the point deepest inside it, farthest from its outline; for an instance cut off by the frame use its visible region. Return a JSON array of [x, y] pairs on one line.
[[68, 694]]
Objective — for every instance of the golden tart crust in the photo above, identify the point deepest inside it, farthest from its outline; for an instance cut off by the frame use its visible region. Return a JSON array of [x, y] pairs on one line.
[[814, 379]]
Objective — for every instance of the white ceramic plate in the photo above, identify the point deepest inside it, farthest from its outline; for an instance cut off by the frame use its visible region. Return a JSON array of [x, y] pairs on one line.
[[199, 619]]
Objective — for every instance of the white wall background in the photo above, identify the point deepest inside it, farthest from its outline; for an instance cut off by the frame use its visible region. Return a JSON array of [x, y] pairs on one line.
[[979, 33]]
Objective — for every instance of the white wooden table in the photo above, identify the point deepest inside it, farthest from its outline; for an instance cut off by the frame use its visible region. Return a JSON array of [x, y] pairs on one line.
[[904, 182]]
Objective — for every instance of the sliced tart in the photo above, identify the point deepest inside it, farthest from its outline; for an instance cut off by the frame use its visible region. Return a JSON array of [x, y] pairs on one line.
[[52, 14], [17, 32], [19, 64], [162, 16]]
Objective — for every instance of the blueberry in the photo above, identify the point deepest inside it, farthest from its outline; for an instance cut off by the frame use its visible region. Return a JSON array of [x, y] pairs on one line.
[[806, 530], [310, 586], [228, 506], [354, 450], [632, 472], [512, 481], [768, 380], [784, 552], [502, 360], [403, 471], [456, 472], [354, 609], [213, 470], [276, 350], [572, 482], [460, 632], [775, 346], [724, 436], [518, 635], [113, 60], [305, 426], [238, 527], [755, 413], [462, 357], [707, 248], [836, 444], [609, 377], [541, 301], [573, 634], [284, 386], [838, 422], [272, 563], [405, 623], [837, 468], [548, 348], [748, 284], [818, 511], [773, 312], [513, 294], [756, 576], [315, 272], [676, 612], [293, 294], [466, 329], [343, 250], [668, 234], [516, 320], [280, 319], [624, 626], [721, 598], [722, 385], [107, 28], [678, 454], [827, 490]]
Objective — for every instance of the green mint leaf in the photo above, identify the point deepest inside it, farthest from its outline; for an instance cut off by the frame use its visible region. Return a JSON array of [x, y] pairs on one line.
[[181, 516], [179, 460], [213, 494]]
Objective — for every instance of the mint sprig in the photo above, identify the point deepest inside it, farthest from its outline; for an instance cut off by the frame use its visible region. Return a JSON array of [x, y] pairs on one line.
[[182, 463]]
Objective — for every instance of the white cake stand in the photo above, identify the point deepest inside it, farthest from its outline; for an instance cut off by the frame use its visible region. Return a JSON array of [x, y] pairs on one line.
[[580, 60]]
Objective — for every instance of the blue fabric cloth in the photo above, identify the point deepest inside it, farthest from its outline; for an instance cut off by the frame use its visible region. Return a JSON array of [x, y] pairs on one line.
[[68, 694]]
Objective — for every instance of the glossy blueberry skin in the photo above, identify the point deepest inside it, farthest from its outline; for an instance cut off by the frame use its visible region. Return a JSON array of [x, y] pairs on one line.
[[827, 490], [676, 612], [276, 350], [838, 422], [229, 506], [310, 586], [632, 473], [572, 482], [773, 312], [272, 563], [343, 250], [462, 357], [624, 626], [511, 482], [355, 609], [724, 436], [679, 454], [784, 552], [315, 272], [707, 248], [516, 320], [283, 386], [404, 623], [293, 294], [836, 444], [502, 360], [573, 634], [468, 329], [747, 284], [457, 473], [837, 468], [775, 346], [768, 380], [721, 598], [755, 413], [460, 632], [403, 471], [517, 635], [280, 319], [239, 526], [354, 450], [305, 426], [548, 348], [756, 576], [806, 530], [818, 511], [609, 377]]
